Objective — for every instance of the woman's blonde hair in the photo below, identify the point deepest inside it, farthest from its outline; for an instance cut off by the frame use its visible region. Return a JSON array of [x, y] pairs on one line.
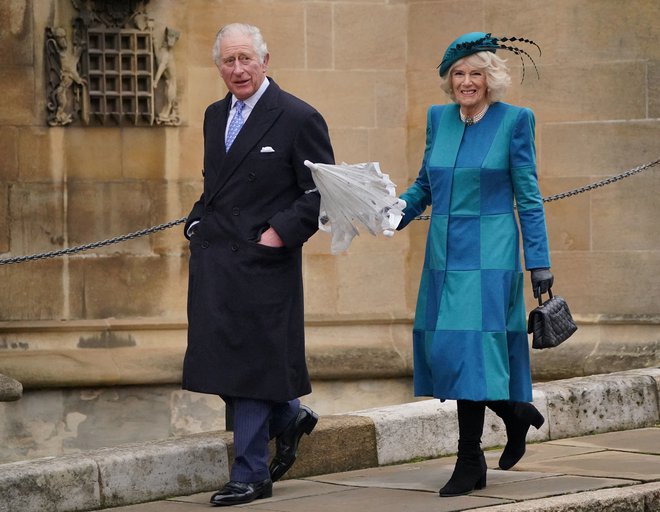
[[497, 75]]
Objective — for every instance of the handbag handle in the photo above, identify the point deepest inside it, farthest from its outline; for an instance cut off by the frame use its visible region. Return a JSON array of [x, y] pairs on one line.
[[540, 299]]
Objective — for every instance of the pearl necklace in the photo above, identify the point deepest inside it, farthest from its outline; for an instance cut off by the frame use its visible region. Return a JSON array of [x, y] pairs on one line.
[[469, 121]]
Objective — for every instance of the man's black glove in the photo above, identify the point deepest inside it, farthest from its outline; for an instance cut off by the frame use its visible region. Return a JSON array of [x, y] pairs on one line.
[[542, 280]]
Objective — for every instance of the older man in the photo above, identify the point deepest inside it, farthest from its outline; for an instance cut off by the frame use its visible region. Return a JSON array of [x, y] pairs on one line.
[[245, 298]]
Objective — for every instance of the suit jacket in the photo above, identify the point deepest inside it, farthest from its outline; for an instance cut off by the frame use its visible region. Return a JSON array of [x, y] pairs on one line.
[[245, 300]]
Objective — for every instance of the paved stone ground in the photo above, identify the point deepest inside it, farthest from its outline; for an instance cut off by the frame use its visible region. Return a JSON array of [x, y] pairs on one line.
[[621, 469]]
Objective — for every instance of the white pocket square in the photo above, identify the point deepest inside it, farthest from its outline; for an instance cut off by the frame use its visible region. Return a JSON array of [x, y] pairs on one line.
[[267, 149]]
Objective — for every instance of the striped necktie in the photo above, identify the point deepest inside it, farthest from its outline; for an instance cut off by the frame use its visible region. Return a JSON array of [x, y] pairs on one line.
[[235, 125]]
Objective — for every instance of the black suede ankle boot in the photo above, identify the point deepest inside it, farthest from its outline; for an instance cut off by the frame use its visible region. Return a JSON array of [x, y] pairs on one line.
[[517, 417], [469, 475], [470, 470]]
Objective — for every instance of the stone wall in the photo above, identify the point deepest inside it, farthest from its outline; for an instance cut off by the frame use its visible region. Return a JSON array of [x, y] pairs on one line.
[[116, 315]]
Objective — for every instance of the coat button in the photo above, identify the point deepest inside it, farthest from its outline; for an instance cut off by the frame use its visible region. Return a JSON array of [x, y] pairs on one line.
[[235, 211], [234, 247], [209, 210], [252, 176], [205, 244]]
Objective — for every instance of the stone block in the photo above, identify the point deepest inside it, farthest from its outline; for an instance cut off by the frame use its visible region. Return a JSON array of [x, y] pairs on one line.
[[423, 91], [350, 145], [280, 23], [579, 32], [4, 218], [621, 346], [624, 216], [319, 36], [432, 26], [151, 471], [17, 103], [100, 210], [169, 202], [102, 286], [587, 277], [379, 44], [336, 397], [32, 290], [41, 154], [568, 220], [8, 154], [593, 151], [191, 161], [654, 89], [386, 147], [319, 274], [337, 363], [93, 154], [10, 389], [36, 211], [599, 404], [569, 359], [94, 367], [391, 102], [346, 99], [143, 152], [604, 97], [318, 453], [427, 428], [196, 412], [16, 39], [365, 285], [64, 483]]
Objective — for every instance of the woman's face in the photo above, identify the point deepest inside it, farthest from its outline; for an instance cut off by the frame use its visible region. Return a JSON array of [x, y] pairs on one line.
[[469, 87]]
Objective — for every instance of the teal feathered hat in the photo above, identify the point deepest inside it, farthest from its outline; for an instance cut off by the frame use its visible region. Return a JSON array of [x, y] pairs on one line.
[[474, 42]]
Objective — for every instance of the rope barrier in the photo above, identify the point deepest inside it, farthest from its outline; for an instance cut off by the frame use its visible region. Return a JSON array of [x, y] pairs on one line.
[[167, 225]]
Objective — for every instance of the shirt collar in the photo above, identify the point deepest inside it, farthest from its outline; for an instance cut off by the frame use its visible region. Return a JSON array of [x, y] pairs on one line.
[[252, 100]]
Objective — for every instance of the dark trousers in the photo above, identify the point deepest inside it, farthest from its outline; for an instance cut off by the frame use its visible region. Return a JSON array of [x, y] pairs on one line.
[[256, 422]]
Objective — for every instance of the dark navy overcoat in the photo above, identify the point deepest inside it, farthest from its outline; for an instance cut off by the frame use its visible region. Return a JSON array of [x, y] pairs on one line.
[[245, 300]]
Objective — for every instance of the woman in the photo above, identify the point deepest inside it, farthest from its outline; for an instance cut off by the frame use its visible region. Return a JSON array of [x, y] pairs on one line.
[[470, 340]]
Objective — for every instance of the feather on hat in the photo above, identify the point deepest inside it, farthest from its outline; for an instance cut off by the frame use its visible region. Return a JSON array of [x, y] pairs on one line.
[[474, 42]]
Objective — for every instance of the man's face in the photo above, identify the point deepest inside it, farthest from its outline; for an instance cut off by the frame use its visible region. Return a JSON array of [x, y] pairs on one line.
[[240, 67]]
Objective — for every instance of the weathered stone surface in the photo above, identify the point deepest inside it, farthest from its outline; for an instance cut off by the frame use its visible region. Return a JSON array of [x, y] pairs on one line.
[[63, 483], [10, 389], [429, 428], [132, 474], [338, 443], [380, 46], [600, 403], [17, 36], [36, 213]]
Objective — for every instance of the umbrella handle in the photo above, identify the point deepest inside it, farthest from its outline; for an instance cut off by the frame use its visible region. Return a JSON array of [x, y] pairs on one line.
[[311, 166]]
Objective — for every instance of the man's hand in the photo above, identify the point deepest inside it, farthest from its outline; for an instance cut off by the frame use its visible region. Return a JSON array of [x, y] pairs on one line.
[[270, 238]]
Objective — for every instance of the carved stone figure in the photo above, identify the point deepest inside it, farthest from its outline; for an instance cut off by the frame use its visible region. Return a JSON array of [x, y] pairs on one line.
[[167, 70], [67, 86]]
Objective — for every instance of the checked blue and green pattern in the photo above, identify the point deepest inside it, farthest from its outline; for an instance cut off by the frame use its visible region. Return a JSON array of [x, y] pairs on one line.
[[469, 337]]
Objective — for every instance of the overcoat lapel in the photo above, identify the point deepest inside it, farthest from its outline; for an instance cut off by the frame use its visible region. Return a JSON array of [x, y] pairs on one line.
[[264, 114]]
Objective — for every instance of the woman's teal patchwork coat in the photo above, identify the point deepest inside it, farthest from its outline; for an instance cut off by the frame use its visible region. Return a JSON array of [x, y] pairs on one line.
[[470, 338]]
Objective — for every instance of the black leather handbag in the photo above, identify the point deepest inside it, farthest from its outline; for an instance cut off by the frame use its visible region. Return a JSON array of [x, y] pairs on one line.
[[551, 323]]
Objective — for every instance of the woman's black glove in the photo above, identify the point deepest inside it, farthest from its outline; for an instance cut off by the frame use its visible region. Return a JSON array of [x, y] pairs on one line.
[[542, 280]]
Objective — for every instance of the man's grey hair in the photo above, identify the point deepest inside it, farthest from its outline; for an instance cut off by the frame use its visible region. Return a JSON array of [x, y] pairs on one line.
[[240, 28]]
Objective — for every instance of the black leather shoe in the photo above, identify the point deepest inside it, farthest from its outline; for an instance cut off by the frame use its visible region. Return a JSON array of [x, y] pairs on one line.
[[287, 442], [235, 493]]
